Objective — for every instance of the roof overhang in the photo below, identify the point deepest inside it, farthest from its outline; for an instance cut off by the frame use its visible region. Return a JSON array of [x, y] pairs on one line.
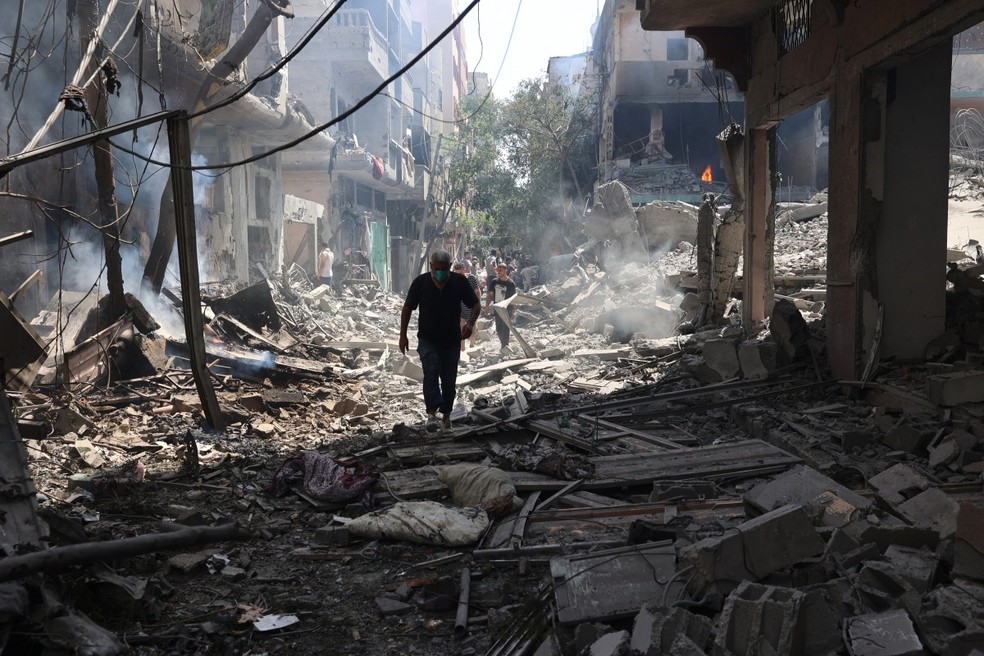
[[683, 14]]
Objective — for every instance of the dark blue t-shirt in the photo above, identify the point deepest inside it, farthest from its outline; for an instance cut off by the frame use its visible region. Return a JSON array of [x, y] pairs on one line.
[[440, 309]]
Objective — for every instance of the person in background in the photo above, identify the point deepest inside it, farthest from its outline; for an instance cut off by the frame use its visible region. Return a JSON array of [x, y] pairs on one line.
[[439, 295], [464, 268], [501, 288], [326, 260], [490, 263]]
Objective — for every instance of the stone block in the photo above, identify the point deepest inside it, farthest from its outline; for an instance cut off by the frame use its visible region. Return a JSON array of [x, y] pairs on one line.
[[758, 359], [656, 630], [388, 607], [967, 561], [408, 368], [898, 483], [944, 453], [882, 634], [611, 644], [755, 548], [759, 619], [853, 440], [970, 524], [722, 357], [934, 509], [861, 554], [880, 586], [921, 568], [799, 485], [956, 388], [832, 510], [883, 537], [948, 624], [333, 535], [907, 438]]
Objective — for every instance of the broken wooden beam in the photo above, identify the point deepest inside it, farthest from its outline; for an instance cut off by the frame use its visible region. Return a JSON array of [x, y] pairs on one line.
[[15, 567]]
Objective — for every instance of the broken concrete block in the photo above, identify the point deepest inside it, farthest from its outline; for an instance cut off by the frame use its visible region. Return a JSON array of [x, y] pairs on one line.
[[921, 568], [880, 587], [799, 485], [948, 624], [967, 562], [956, 388], [853, 440], [882, 634], [898, 483], [788, 329], [944, 453], [656, 630], [722, 357], [933, 508], [907, 438], [611, 644], [388, 607], [759, 619], [884, 536], [861, 554], [410, 369], [758, 359], [755, 548], [970, 524]]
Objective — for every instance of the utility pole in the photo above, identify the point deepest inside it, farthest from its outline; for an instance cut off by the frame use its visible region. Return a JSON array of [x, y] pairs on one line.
[[97, 100]]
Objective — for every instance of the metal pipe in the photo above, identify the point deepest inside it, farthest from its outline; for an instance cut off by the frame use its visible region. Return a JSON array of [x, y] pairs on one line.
[[461, 619]]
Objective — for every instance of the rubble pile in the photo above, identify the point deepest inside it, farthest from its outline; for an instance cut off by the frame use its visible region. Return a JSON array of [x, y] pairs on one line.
[[608, 486]]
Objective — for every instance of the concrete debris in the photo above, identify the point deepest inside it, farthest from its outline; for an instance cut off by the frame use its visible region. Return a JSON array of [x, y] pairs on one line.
[[760, 619], [663, 467], [883, 634]]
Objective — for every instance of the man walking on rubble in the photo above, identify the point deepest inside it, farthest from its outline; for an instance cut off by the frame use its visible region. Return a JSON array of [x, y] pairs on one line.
[[500, 288], [439, 295]]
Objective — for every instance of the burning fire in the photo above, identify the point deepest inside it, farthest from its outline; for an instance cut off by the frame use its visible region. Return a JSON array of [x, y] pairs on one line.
[[707, 176]]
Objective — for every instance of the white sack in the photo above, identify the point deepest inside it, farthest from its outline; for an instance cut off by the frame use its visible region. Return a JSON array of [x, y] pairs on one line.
[[423, 522]]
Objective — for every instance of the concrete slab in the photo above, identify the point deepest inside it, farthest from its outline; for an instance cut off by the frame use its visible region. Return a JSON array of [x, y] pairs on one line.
[[898, 483], [799, 485], [921, 568], [882, 634], [934, 509], [755, 548]]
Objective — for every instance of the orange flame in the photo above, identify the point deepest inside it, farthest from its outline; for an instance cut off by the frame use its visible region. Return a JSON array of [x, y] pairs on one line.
[[707, 176]]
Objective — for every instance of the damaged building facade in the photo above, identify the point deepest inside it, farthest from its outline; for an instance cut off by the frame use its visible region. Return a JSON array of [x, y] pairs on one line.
[[886, 76], [377, 182], [661, 103]]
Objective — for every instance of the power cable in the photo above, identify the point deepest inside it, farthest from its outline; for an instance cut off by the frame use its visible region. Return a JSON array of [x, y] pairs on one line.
[[320, 128], [270, 72]]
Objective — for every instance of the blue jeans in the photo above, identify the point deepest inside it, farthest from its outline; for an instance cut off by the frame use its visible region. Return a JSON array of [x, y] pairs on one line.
[[440, 365]]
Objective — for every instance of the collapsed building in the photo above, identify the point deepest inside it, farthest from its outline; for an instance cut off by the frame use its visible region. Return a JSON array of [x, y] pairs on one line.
[[670, 458]]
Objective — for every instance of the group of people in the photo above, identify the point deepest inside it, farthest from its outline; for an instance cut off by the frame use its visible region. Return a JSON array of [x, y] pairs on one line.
[[449, 300]]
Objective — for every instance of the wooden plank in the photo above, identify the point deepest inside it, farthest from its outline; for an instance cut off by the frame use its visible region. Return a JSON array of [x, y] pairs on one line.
[[179, 144], [16, 237], [729, 461]]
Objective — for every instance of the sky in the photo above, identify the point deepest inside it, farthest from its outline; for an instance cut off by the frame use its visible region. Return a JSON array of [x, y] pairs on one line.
[[544, 29]]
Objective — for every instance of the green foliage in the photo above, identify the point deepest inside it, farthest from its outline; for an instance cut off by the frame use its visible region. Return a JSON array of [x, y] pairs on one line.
[[521, 168]]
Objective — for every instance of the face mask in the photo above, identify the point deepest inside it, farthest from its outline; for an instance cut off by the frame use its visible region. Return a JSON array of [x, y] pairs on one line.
[[441, 276]]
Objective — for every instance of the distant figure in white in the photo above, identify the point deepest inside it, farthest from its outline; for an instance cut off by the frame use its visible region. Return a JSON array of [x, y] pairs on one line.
[[326, 260]]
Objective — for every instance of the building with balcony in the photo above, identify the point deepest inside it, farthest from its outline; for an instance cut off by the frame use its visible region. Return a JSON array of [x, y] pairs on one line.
[[376, 182]]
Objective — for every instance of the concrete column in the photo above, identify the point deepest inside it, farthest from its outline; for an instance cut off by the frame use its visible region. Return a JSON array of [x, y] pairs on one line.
[[758, 293], [842, 210], [910, 250]]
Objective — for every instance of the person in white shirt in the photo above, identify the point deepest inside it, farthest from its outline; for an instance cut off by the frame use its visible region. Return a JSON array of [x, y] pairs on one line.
[[326, 260]]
